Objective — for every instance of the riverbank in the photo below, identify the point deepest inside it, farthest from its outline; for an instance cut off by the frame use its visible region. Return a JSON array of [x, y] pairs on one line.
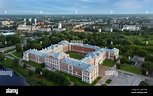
[[31, 77], [14, 80], [15, 71]]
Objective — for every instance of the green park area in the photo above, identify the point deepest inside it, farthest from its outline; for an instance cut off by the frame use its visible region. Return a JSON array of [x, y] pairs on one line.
[[75, 55], [130, 68], [9, 50], [32, 63], [108, 63], [18, 54]]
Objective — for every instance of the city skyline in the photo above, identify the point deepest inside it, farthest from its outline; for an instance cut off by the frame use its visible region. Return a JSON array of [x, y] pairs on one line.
[[76, 7]]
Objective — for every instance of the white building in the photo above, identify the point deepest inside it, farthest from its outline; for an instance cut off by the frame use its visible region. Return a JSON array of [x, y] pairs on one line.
[[7, 33], [44, 29], [30, 19], [35, 21], [24, 27], [131, 27], [24, 21], [59, 29], [59, 25]]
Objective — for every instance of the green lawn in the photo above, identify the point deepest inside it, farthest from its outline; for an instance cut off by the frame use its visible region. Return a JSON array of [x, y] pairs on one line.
[[8, 63], [104, 84], [108, 63], [18, 54], [108, 81], [75, 55], [95, 81], [32, 63], [73, 78], [9, 50], [10, 55], [132, 69], [150, 41]]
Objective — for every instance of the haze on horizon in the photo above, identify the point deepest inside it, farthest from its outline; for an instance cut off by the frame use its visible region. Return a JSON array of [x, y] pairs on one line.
[[76, 7]]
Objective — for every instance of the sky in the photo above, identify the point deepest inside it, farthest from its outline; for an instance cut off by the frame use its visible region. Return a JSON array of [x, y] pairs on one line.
[[76, 6]]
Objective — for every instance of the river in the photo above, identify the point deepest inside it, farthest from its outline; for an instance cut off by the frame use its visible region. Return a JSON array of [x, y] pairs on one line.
[[8, 80]]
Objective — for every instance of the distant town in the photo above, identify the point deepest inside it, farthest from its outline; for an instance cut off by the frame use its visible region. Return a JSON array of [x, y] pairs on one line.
[[79, 50]]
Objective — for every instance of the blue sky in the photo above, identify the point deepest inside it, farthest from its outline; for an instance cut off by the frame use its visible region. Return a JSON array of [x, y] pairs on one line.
[[75, 6]]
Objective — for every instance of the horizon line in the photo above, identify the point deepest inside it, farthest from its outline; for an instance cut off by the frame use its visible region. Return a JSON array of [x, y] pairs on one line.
[[85, 14]]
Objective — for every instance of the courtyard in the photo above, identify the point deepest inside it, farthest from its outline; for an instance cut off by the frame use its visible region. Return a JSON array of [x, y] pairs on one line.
[[75, 55]]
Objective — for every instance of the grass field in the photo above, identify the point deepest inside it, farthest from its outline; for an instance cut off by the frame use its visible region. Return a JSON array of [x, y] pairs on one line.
[[8, 62], [18, 54], [9, 50], [75, 55], [108, 63], [150, 41], [10, 55], [108, 81], [32, 63], [132, 69]]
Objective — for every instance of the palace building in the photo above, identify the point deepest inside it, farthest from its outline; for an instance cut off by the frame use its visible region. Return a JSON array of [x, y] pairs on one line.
[[55, 58]]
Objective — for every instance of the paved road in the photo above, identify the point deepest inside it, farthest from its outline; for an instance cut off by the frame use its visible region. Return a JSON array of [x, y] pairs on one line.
[[6, 48], [103, 80]]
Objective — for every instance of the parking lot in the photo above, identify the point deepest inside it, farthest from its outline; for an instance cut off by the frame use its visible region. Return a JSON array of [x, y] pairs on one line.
[[124, 79]]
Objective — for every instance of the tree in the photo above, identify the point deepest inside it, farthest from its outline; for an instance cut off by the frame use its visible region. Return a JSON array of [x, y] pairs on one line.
[[30, 73], [66, 81], [2, 56], [141, 52], [118, 66], [123, 60], [39, 34], [45, 72], [10, 43], [42, 65], [36, 46], [38, 70], [77, 84], [18, 47], [25, 47], [16, 62], [143, 83], [24, 65], [115, 60]]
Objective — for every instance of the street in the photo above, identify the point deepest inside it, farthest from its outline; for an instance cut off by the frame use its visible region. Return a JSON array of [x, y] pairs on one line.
[[6, 48]]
